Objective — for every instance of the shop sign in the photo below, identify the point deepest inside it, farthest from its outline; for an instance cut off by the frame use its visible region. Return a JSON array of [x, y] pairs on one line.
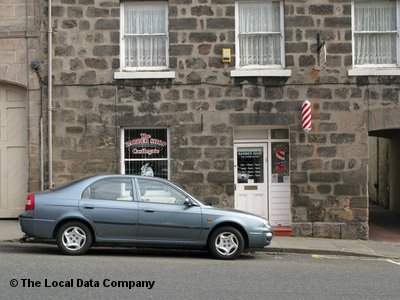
[[145, 145]]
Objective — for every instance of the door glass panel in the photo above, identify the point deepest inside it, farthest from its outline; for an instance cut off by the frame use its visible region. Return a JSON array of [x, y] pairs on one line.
[[250, 165], [159, 192], [280, 162], [110, 189]]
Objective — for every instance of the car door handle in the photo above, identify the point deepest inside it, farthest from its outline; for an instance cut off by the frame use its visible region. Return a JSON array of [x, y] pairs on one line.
[[149, 210], [88, 206]]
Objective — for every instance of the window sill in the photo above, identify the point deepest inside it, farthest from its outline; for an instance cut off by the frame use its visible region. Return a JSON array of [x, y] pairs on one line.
[[144, 75], [262, 73], [374, 72]]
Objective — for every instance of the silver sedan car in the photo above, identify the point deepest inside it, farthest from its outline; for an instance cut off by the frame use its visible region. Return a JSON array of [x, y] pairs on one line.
[[138, 211]]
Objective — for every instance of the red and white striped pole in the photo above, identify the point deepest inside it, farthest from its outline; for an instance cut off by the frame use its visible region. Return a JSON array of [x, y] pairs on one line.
[[306, 116]]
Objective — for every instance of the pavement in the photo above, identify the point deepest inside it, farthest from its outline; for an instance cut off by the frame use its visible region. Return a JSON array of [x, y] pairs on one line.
[[10, 232]]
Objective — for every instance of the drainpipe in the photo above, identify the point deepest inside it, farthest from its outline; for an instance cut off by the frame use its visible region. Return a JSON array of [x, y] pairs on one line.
[[50, 97]]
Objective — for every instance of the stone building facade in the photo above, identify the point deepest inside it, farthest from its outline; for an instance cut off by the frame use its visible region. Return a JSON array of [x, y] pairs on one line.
[[209, 108]]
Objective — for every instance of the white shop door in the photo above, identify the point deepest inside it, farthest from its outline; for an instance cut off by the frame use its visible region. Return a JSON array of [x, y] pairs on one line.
[[251, 180], [13, 151]]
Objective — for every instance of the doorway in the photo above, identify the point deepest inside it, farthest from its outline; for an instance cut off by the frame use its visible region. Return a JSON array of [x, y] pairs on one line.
[[261, 172], [13, 151]]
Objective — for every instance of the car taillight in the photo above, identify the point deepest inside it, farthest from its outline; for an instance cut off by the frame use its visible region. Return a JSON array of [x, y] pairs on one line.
[[30, 202]]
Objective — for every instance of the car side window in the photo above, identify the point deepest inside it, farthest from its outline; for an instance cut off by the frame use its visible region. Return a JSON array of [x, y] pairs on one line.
[[119, 189], [159, 192]]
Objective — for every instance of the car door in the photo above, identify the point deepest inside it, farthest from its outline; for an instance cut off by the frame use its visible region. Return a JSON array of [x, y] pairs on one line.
[[163, 214], [110, 206]]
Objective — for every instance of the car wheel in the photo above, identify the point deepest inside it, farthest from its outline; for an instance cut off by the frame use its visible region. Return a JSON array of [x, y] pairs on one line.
[[226, 243], [74, 238]]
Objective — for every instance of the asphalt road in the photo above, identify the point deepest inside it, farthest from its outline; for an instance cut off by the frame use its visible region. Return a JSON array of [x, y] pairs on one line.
[[40, 272]]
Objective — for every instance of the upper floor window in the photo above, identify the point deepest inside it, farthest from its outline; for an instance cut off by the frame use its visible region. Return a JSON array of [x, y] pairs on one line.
[[259, 34], [375, 33], [144, 35]]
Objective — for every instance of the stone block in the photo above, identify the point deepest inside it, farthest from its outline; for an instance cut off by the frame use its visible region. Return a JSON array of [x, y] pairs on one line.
[[317, 138], [347, 189], [298, 177], [204, 140], [329, 151], [195, 63], [220, 177], [359, 202], [336, 106], [299, 21], [323, 9], [327, 230], [319, 93], [312, 164], [338, 22], [96, 63], [106, 50], [338, 164], [339, 48], [301, 151], [106, 24], [202, 37], [299, 214], [302, 229], [307, 61], [180, 50], [324, 189], [183, 24], [327, 126], [218, 153], [220, 23], [342, 138], [262, 106], [349, 231], [237, 105], [201, 10], [75, 12], [188, 178], [186, 153]]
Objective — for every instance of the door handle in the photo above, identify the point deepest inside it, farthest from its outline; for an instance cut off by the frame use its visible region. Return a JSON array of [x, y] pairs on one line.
[[88, 206], [149, 210]]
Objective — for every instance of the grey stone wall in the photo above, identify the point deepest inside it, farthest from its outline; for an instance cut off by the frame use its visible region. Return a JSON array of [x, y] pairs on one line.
[[203, 105]]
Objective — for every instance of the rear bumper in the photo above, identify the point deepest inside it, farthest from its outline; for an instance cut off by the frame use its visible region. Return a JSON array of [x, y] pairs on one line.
[[36, 227]]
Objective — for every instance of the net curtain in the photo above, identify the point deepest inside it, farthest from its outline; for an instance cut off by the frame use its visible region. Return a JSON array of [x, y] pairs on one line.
[[259, 33], [375, 32], [145, 34]]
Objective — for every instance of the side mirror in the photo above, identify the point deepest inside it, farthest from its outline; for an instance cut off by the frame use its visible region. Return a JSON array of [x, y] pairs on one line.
[[188, 203]]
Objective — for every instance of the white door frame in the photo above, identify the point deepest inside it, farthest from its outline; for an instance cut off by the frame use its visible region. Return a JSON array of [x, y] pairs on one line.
[[277, 194]]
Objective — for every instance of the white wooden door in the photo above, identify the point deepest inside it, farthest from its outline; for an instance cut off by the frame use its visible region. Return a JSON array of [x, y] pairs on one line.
[[251, 181], [13, 151]]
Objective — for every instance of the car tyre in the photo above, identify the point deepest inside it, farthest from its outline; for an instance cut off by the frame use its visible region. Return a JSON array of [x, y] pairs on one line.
[[74, 238], [226, 243]]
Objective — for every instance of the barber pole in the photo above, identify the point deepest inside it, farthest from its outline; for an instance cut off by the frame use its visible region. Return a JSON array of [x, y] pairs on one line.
[[306, 116]]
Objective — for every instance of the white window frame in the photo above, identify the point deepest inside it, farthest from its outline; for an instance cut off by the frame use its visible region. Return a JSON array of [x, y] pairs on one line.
[[127, 72], [260, 70], [375, 69]]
